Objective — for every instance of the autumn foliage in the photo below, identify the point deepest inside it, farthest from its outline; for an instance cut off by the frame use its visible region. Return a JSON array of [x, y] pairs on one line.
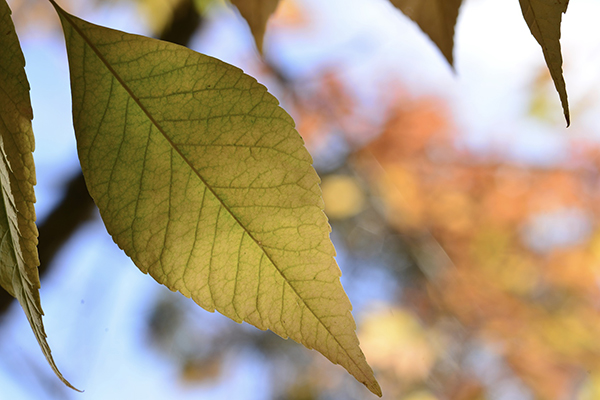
[[513, 250]]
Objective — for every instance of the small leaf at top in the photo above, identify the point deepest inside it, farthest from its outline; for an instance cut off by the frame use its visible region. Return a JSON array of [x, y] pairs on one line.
[[256, 13], [543, 18], [18, 249], [202, 179], [436, 18]]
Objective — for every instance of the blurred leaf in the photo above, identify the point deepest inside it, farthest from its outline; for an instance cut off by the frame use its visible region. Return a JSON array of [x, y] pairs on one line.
[[256, 13], [436, 18], [395, 340], [590, 389], [202, 179], [159, 12], [18, 269], [543, 18], [300, 390], [421, 395], [202, 370], [343, 197]]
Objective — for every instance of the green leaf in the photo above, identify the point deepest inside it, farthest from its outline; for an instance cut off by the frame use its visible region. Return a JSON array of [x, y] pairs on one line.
[[543, 18], [436, 18], [256, 13], [202, 179], [18, 248]]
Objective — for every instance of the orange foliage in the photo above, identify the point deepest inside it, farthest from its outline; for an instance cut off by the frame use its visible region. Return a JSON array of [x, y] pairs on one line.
[[539, 305], [328, 106]]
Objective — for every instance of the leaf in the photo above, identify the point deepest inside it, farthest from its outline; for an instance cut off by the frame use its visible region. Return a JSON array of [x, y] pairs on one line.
[[202, 179], [256, 13], [18, 248], [543, 18], [436, 18]]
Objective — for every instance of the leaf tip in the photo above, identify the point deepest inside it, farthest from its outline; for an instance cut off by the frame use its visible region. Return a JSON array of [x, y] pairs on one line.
[[41, 338], [368, 379], [66, 382], [258, 40], [375, 388], [449, 56], [565, 103]]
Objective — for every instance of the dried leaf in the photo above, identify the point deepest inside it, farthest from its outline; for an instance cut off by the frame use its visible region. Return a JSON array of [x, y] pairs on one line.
[[543, 18], [436, 18]]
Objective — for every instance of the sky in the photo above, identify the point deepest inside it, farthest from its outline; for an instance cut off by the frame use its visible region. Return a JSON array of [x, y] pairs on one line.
[[96, 301]]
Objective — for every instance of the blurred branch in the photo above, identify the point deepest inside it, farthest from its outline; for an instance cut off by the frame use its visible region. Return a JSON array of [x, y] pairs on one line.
[[77, 206], [186, 21]]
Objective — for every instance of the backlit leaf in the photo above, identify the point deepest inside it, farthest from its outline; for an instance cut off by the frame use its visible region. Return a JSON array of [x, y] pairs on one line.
[[543, 18], [256, 13], [202, 179], [18, 248], [436, 18]]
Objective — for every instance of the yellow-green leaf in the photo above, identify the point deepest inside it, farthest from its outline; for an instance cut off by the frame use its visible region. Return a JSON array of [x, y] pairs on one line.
[[18, 248], [256, 13], [543, 18], [202, 179], [436, 18]]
